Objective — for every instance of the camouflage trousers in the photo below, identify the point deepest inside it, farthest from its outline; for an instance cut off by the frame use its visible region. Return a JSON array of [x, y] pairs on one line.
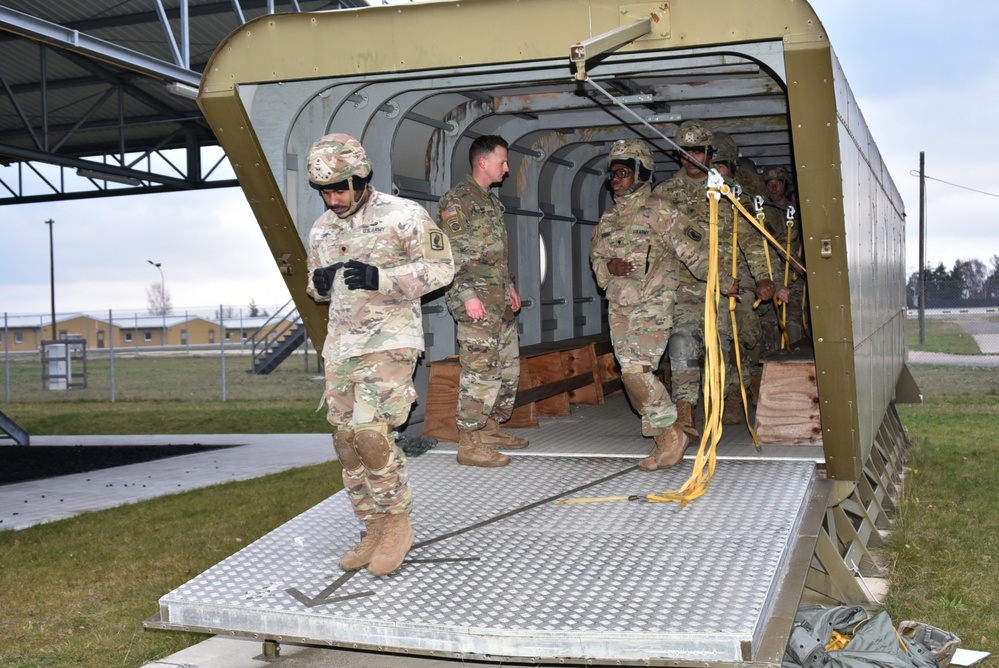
[[639, 335], [371, 388], [489, 353], [378, 491], [688, 326], [373, 392]]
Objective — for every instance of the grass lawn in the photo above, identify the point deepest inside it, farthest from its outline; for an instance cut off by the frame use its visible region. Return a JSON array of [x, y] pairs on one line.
[[941, 336], [944, 548], [75, 592]]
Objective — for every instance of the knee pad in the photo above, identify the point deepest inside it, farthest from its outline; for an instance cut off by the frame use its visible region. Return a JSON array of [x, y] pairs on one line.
[[372, 447], [683, 351], [343, 443]]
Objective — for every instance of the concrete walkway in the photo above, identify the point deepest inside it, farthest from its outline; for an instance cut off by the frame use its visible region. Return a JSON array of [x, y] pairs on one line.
[[946, 359], [26, 504]]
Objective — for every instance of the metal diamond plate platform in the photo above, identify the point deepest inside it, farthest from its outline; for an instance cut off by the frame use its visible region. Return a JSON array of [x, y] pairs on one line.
[[499, 570]]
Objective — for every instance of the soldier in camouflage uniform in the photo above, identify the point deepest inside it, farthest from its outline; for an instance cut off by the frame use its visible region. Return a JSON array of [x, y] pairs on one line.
[[638, 249], [483, 301], [371, 256], [687, 190], [779, 185]]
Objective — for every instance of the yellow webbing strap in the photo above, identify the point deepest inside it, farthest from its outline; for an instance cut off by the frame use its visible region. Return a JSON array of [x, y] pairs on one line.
[[714, 376], [735, 327]]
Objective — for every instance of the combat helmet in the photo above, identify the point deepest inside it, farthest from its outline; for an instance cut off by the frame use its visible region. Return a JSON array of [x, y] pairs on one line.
[[778, 172], [694, 134], [725, 149], [336, 158], [636, 153]]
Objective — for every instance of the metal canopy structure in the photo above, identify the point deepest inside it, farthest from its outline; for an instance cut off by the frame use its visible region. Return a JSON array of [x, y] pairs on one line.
[[97, 98]]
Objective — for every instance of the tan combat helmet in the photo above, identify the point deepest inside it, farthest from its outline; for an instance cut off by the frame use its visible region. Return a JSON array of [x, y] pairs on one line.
[[725, 149], [637, 152], [778, 172], [335, 158], [694, 134]]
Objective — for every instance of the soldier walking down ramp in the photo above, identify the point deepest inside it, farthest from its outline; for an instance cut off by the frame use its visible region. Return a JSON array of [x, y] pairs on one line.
[[371, 256], [483, 300], [638, 248]]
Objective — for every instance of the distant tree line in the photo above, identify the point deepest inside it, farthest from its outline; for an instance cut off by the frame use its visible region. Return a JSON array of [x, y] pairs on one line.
[[968, 283]]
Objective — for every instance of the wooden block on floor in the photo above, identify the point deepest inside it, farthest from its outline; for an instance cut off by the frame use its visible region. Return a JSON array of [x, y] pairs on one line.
[[545, 369], [442, 401], [788, 409], [581, 361], [525, 415], [608, 373]]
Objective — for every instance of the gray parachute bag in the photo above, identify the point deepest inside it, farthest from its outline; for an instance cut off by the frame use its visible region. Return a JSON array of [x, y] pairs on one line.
[[874, 641]]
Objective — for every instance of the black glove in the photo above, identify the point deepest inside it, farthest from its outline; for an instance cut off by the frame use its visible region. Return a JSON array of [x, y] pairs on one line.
[[360, 276], [322, 278]]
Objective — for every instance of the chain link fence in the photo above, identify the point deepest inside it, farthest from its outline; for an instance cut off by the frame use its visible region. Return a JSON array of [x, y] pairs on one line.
[[960, 332], [130, 357]]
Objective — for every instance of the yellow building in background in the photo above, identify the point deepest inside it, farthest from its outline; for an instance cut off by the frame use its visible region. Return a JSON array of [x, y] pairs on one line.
[[26, 333]]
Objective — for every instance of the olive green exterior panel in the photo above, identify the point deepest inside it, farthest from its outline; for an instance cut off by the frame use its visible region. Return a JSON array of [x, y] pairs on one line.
[[411, 38]]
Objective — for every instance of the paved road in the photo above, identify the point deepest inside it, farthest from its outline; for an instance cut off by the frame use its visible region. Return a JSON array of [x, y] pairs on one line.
[[945, 359]]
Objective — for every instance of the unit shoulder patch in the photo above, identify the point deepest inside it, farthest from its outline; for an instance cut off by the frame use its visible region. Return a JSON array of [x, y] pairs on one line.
[[436, 244], [693, 234], [452, 222]]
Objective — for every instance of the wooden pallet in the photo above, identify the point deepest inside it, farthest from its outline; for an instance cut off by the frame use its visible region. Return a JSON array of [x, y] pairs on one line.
[[553, 377]]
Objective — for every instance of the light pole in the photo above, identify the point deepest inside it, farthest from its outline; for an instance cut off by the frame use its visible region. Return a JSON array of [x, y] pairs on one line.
[[51, 224], [162, 298]]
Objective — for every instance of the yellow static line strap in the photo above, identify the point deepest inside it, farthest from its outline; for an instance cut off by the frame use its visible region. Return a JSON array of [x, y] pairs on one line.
[[601, 499]]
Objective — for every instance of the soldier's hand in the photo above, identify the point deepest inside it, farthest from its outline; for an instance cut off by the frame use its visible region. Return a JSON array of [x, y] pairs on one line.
[[784, 295], [619, 267], [734, 290], [515, 302], [765, 289], [360, 275], [322, 278], [474, 308]]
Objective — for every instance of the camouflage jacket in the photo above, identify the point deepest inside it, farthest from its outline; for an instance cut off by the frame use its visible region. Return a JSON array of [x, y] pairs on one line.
[[657, 238], [690, 196], [413, 258], [473, 220]]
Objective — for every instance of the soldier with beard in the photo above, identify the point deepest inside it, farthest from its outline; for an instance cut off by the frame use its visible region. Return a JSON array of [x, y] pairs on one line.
[[371, 256]]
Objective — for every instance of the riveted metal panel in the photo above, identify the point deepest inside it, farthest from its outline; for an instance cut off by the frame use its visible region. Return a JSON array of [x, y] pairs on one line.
[[498, 569]]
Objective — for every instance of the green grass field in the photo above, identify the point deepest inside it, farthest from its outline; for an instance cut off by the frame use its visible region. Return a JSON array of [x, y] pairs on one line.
[[941, 335], [75, 592]]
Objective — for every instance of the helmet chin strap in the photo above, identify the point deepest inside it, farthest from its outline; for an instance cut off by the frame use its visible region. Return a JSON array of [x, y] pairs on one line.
[[635, 185], [355, 204]]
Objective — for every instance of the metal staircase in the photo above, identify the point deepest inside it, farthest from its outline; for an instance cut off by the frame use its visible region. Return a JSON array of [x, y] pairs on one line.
[[13, 430], [277, 339]]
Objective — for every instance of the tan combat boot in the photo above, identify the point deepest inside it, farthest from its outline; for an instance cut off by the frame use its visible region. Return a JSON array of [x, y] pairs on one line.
[[397, 538], [471, 452], [495, 437], [732, 414], [685, 418], [361, 555], [669, 449]]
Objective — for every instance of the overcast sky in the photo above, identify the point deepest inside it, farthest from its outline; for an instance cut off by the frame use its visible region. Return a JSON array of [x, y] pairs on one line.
[[921, 71]]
